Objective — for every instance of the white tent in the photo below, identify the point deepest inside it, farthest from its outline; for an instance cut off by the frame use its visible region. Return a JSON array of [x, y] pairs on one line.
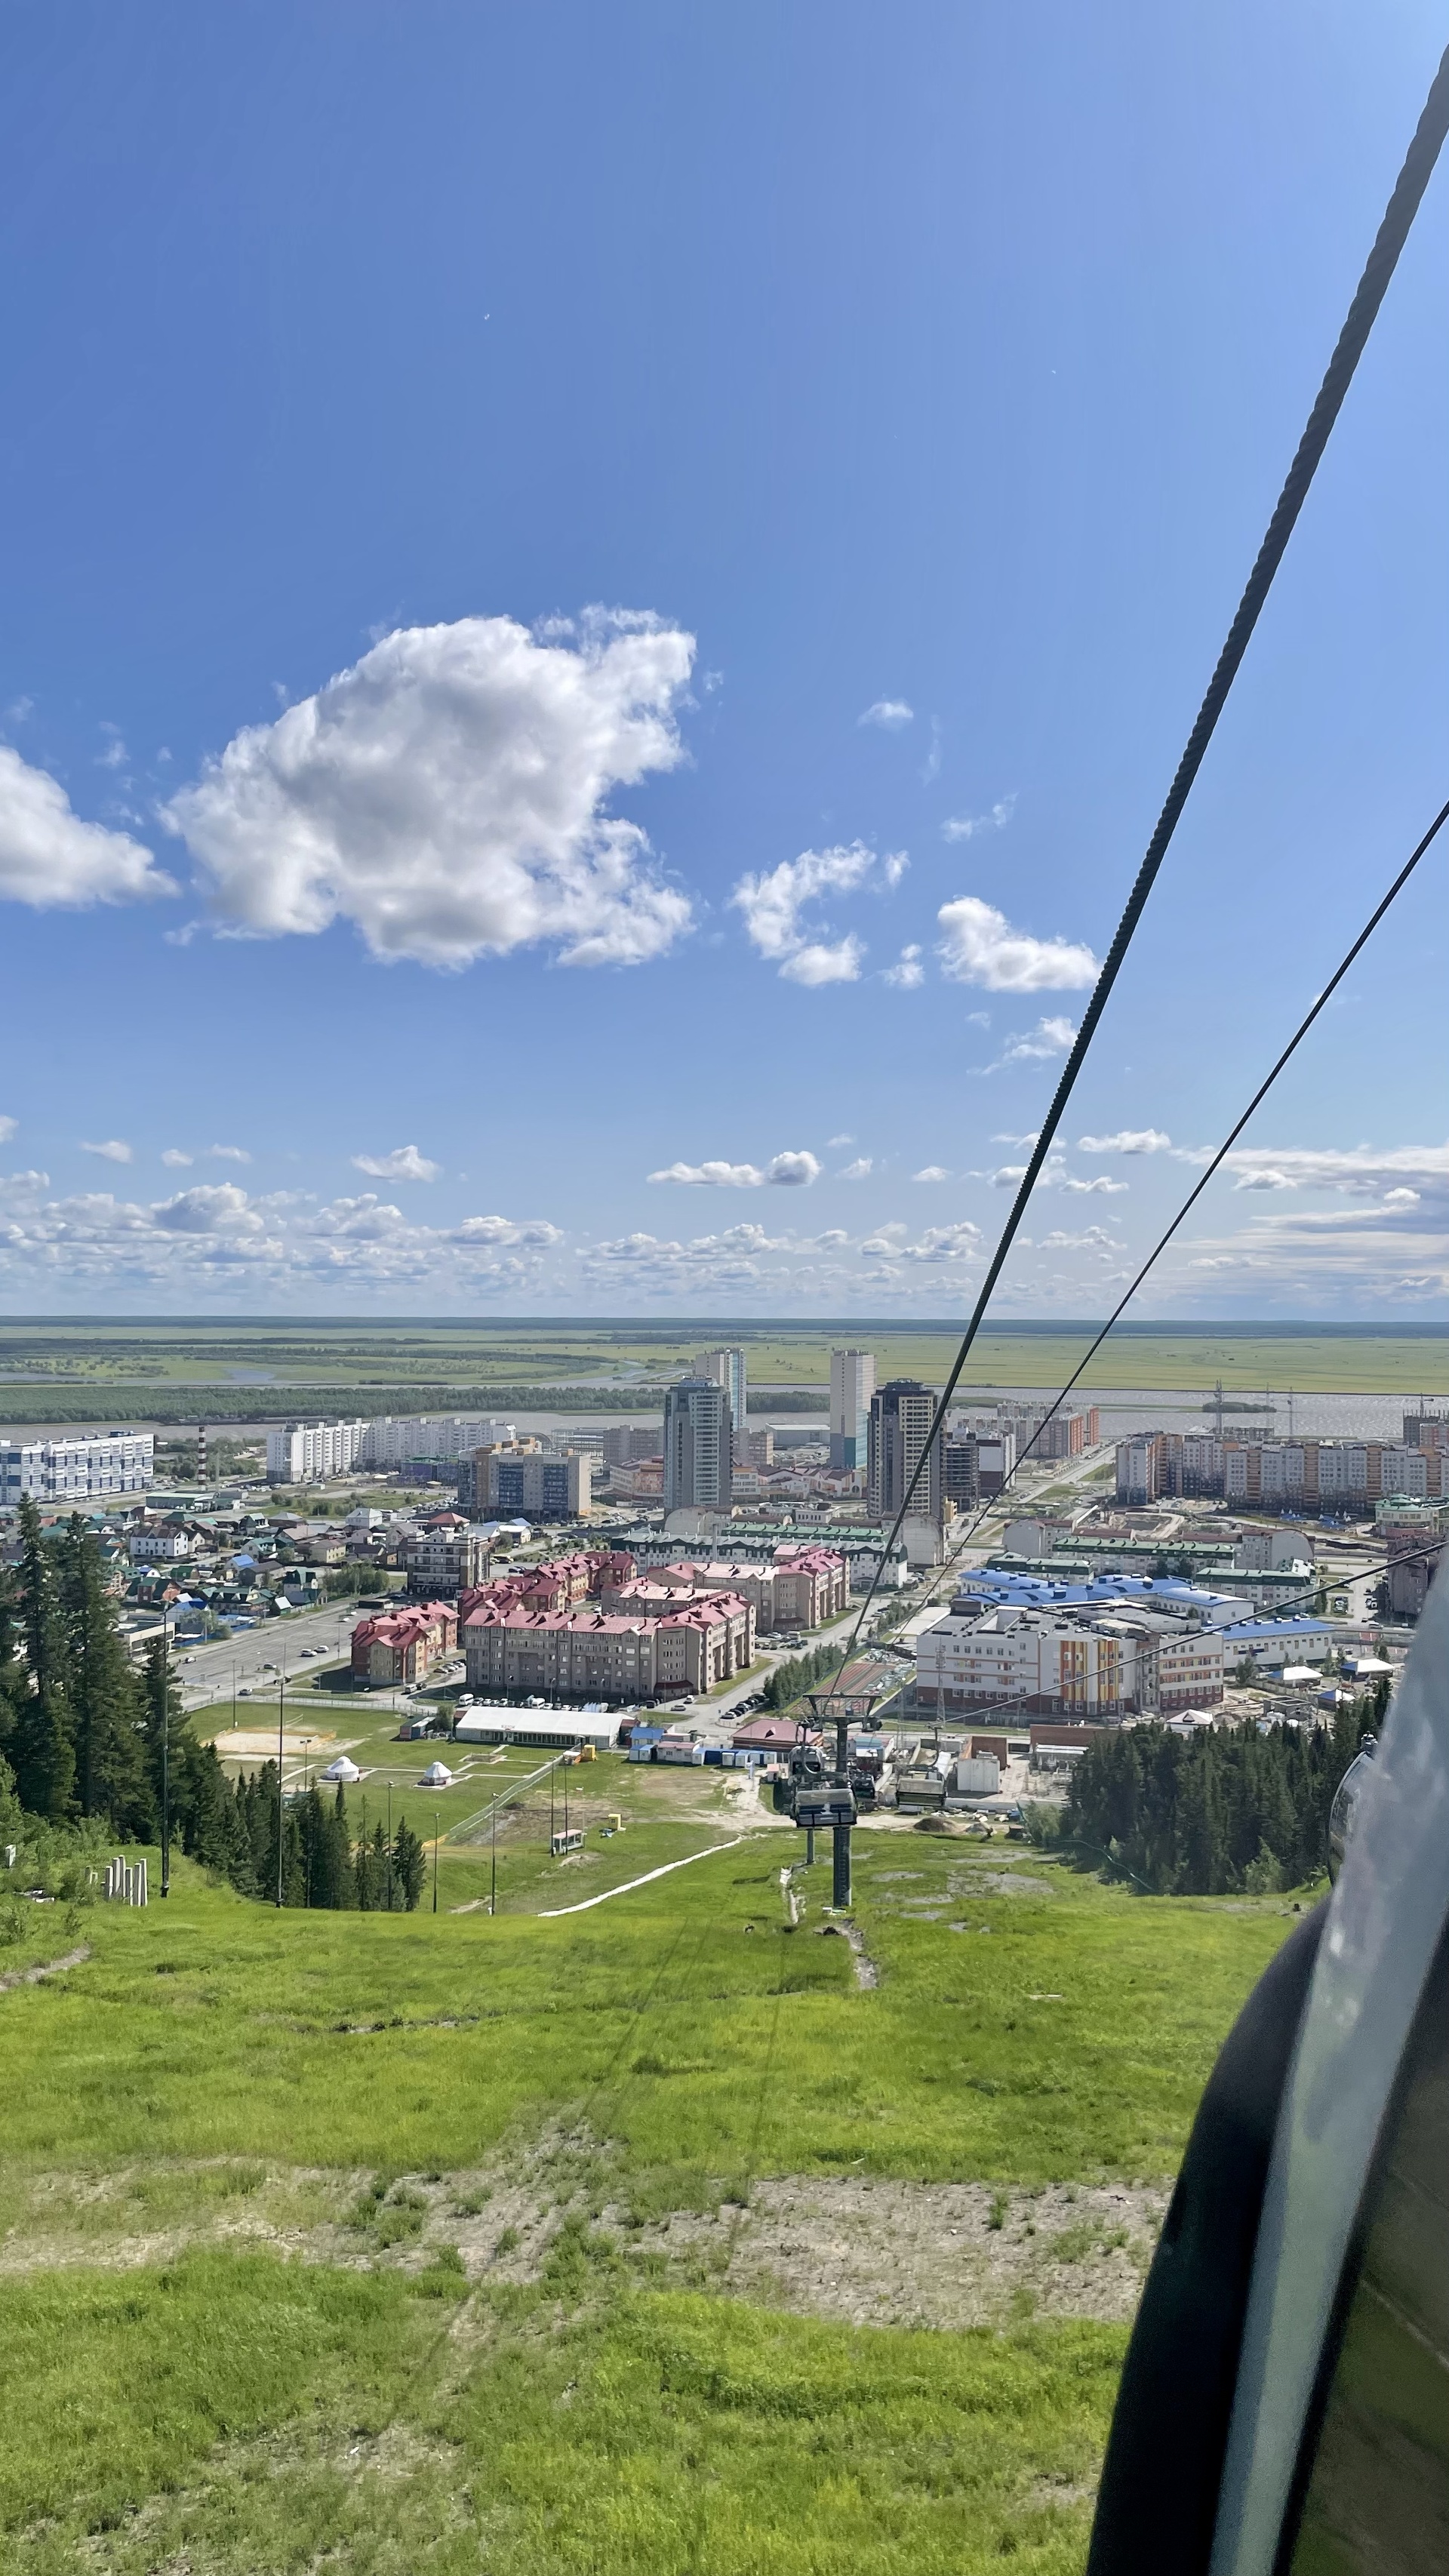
[[342, 1769], [1301, 1673], [436, 1776]]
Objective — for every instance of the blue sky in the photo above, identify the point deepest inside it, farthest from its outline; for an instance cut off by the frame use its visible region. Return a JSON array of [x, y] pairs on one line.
[[599, 606]]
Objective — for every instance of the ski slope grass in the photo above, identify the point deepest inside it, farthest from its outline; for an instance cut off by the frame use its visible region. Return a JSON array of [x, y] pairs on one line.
[[180, 2396]]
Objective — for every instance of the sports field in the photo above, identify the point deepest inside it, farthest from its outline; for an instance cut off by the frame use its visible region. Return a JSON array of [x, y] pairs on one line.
[[670, 2233]]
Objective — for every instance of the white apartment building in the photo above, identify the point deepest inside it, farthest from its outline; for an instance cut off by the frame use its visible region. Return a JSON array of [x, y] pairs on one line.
[[852, 1384], [302, 1453], [395, 1439], [1105, 1664], [76, 1468]]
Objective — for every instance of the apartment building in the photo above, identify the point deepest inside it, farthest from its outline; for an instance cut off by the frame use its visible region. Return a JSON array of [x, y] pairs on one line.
[[76, 1467], [728, 1371], [400, 1440], [897, 1432], [852, 1384], [304, 1453], [796, 1591], [403, 1645], [529, 1485], [440, 1563], [626, 1441], [698, 1445], [1411, 1534], [609, 1655]]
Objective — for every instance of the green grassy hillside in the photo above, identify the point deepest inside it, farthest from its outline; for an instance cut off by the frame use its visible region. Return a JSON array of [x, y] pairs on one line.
[[438, 2241]]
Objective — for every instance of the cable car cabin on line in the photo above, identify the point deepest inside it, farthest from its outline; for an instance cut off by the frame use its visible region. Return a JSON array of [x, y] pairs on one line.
[[560, 1844]]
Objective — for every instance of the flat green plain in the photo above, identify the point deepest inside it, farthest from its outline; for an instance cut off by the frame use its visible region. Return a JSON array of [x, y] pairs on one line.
[[264, 2309], [255, 1364]]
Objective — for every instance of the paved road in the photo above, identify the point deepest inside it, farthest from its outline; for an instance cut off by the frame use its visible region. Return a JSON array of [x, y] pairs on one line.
[[259, 1655]]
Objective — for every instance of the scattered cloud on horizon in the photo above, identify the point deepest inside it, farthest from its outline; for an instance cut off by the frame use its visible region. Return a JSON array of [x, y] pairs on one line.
[[404, 1163], [783, 1171]]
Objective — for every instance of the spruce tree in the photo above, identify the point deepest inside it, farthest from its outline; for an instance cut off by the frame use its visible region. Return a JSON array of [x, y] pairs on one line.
[[41, 1749], [106, 1715], [409, 1868]]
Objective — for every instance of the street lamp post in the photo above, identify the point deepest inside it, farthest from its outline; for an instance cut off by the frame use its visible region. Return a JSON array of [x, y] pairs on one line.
[[437, 1829], [281, 1721], [165, 1763]]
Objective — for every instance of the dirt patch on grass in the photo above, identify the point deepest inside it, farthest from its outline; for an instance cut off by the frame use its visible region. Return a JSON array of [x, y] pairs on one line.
[[926, 2254], [865, 2252], [48, 1968]]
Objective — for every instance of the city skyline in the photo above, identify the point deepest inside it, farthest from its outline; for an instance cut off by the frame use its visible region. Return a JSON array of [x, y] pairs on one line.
[[324, 787]]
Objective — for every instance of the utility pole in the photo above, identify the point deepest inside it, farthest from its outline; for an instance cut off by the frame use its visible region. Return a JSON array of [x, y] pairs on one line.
[[389, 1847], [281, 1721], [436, 1831], [165, 1763]]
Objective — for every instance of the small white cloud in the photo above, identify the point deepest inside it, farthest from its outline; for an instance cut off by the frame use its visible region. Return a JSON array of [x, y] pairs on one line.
[[175, 1160], [712, 1176], [1094, 1238], [404, 1163], [1401, 1198], [1266, 1179], [50, 858], [833, 1141], [981, 947], [792, 1171], [1028, 1139], [231, 1154], [859, 1170], [8, 1127], [19, 709], [1102, 1187], [889, 713], [115, 755], [1128, 1140], [772, 904], [1030, 1046], [907, 973], [931, 1172], [966, 827], [822, 964], [112, 1151]]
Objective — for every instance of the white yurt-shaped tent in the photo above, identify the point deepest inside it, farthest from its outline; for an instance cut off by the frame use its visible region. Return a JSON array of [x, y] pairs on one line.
[[342, 1769], [436, 1776]]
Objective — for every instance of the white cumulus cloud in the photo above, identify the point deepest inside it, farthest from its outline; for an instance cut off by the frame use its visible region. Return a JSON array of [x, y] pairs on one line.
[[783, 1171], [113, 1150], [8, 1127], [980, 946], [447, 793], [404, 1163], [931, 1172], [773, 902], [907, 972], [889, 713], [175, 1160], [50, 857], [859, 1170], [228, 1154]]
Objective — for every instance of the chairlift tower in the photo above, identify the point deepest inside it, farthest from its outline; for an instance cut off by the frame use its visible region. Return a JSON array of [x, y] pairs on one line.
[[834, 1805]]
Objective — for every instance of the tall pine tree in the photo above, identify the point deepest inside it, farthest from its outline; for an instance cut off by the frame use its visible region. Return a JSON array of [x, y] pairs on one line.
[[102, 1696], [42, 1752]]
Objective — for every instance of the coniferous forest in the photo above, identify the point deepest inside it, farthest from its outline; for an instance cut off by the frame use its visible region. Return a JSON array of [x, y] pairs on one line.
[[94, 1751], [1227, 1810]]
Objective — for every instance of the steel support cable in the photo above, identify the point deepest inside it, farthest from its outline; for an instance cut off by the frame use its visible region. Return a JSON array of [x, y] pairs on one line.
[[1383, 259], [1213, 1167]]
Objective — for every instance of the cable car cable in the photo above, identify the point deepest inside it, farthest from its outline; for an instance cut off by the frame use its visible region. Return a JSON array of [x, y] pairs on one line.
[[1393, 232], [1195, 1193]]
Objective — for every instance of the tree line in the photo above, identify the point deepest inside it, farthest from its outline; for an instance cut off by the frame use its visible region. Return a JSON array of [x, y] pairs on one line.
[[92, 1748], [791, 1679], [1227, 1810]]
